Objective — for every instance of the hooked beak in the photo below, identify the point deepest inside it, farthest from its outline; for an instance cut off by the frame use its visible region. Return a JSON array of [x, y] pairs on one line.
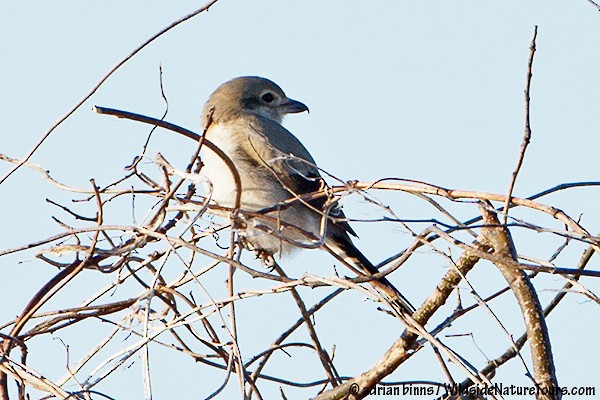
[[293, 107]]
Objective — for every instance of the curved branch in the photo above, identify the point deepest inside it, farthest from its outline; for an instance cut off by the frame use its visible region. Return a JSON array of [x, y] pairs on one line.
[[360, 386], [544, 372], [185, 132], [100, 83]]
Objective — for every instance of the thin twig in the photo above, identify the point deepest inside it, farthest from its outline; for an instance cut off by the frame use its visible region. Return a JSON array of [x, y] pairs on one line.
[[100, 83], [594, 4], [360, 386], [527, 134], [326, 361], [519, 343]]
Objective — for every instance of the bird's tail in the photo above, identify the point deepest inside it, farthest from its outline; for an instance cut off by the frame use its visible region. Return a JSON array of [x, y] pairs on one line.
[[345, 249]]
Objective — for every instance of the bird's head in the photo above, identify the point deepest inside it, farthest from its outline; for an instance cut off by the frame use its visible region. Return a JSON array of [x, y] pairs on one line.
[[251, 95]]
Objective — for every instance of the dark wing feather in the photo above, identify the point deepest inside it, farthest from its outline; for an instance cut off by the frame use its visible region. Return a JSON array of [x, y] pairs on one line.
[[285, 148], [312, 184]]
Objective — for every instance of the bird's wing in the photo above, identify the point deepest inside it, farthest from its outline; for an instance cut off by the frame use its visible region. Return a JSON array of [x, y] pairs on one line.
[[293, 165]]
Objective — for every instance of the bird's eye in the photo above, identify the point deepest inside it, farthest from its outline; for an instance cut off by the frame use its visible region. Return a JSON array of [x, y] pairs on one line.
[[268, 97]]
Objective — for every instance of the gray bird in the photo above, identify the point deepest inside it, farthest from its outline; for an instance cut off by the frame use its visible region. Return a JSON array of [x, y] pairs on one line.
[[244, 118]]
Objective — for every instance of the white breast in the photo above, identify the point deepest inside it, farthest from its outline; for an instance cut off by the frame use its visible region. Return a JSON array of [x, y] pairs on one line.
[[260, 189], [215, 169]]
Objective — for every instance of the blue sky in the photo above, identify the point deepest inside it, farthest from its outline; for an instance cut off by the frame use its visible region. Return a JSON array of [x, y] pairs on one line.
[[431, 91]]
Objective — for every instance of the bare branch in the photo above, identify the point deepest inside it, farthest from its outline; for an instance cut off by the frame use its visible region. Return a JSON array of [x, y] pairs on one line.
[[404, 347], [527, 134], [100, 83], [537, 332]]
